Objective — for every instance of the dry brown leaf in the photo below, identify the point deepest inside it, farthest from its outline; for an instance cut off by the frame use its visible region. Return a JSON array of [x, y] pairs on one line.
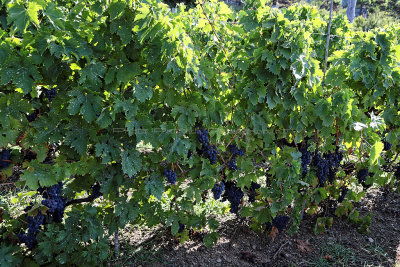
[[303, 246], [274, 233]]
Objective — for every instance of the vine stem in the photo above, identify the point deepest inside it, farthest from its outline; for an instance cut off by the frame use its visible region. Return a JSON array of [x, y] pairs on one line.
[[116, 243], [328, 37]]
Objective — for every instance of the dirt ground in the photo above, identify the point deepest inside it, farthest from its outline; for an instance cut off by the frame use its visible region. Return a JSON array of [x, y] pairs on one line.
[[238, 245]]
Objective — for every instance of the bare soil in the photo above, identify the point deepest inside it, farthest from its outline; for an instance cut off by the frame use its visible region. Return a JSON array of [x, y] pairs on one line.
[[238, 245]]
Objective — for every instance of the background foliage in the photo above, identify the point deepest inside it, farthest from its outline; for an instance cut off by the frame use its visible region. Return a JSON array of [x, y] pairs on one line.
[[134, 82]]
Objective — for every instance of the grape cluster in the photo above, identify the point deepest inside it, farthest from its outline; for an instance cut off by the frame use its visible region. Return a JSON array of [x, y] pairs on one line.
[[32, 117], [334, 160], [343, 193], [305, 159], [326, 167], [96, 191], [5, 158], [386, 145], [232, 164], [202, 136], [236, 152], [34, 224], [181, 228], [252, 195], [397, 172], [50, 93], [54, 201], [29, 155], [171, 176], [210, 151], [218, 189], [279, 222], [362, 176], [234, 195], [322, 168]]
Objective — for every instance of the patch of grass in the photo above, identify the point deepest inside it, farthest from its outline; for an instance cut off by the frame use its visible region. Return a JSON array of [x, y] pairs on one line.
[[335, 255]]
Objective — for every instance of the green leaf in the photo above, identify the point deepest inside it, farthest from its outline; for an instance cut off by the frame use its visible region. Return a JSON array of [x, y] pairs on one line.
[[155, 186], [92, 74], [128, 72], [17, 15], [375, 152], [211, 239], [131, 162], [143, 90], [116, 9], [86, 104]]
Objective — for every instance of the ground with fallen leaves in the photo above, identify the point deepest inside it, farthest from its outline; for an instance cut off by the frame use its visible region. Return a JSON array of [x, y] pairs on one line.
[[340, 245]]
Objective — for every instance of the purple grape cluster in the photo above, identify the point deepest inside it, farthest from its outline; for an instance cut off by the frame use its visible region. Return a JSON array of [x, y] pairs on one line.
[[252, 195], [181, 228], [34, 224], [305, 159], [279, 222], [96, 191], [234, 195], [334, 160], [343, 193], [50, 93], [397, 172], [322, 168], [362, 176], [209, 151], [236, 152], [232, 164], [386, 145], [171, 176], [326, 167], [5, 158], [218, 189], [54, 201], [31, 117]]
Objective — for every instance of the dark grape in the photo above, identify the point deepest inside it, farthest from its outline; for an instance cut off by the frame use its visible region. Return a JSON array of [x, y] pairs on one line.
[[232, 165], [218, 189], [343, 192], [202, 136], [29, 155], [397, 172], [235, 151], [181, 228], [305, 160], [362, 175], [50, 93], [5, 158], [96, 191], [54, 201], [252, 195], [279, 222], [171, 176], [234, 195], [211, 153], [322, 168], [386, 145], [34, 224], [32, 117]]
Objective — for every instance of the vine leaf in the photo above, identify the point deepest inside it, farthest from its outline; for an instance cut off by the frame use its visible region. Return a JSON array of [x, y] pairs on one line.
[[155, 186], [131, 162]]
